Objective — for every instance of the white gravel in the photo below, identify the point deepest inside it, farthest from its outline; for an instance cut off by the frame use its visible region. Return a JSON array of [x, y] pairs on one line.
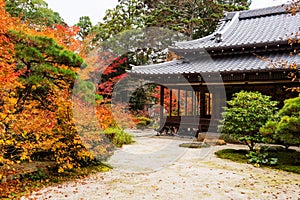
[[156, 168]]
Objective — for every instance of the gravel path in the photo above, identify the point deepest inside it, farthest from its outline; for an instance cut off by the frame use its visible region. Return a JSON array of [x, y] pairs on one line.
[[156, 168]]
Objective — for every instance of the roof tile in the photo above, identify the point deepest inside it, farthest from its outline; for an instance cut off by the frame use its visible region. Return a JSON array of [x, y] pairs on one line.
[[222, 64]]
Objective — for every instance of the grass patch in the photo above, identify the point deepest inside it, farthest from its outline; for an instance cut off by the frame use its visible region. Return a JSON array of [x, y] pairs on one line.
[[194, 145], [233, 154], [15, 189], [288, 160]]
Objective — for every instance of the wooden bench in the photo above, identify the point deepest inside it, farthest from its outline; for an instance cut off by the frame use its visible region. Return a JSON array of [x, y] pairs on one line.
[[188, 124], [169, 125]]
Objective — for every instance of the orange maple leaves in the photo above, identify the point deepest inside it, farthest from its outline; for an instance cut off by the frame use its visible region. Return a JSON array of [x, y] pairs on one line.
[[7, 66], [30, 125]]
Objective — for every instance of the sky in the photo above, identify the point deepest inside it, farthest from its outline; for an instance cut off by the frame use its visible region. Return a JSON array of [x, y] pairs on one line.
[[72, 10]]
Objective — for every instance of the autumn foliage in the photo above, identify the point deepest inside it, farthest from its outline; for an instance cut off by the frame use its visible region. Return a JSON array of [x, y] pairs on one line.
[[38, 69], [42, 77]]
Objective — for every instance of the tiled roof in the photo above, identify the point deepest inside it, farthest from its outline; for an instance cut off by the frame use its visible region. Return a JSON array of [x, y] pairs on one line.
[[260, 27], [236, 63], [252, 28]]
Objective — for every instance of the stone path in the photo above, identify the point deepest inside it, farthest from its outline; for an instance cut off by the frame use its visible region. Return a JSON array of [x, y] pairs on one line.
[[156, 168]]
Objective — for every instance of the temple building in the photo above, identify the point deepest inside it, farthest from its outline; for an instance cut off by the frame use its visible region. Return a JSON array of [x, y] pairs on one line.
[[254, 50]]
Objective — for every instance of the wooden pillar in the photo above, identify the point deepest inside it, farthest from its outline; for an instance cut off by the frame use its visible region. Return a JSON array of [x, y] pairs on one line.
[[178, 114], [162, 98], [215, 104], [171, 101], [193, 104], [186, 103], [219, 100], [202, 104], [198, 103]]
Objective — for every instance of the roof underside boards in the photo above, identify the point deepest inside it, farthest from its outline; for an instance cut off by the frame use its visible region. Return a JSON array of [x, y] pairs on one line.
[[234, 63], [259, 27]]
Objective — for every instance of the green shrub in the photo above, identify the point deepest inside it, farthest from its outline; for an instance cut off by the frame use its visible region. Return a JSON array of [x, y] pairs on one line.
[[245, 114], [143, 121], [38, 175], [118, 136], [285, 127]]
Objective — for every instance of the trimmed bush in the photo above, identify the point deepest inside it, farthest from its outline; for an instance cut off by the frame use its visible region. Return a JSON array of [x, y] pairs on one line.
[[143, 122], [118, 136], [245, 114], [285, 127]]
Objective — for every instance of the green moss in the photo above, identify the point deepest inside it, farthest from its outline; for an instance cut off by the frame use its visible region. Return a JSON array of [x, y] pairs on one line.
[[194, 145], [288, 160], [233, 154]]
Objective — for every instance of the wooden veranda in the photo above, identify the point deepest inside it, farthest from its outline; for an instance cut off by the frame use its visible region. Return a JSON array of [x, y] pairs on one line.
[[190, 112]]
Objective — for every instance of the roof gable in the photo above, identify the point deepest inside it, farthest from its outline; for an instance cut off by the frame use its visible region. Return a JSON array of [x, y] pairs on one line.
[[262, 12], [254, 28]]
